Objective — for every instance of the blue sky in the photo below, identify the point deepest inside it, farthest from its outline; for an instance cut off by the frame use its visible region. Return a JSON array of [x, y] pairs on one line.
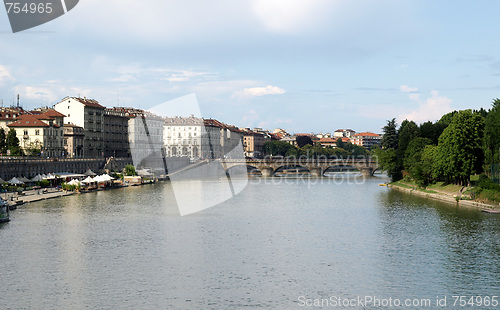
[[302, 65]]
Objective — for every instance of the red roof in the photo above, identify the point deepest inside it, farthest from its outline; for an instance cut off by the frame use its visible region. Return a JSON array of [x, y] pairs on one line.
[[327, 140], [88, 102], [371, 134], [345, 139], [28, 121], [53, 113]]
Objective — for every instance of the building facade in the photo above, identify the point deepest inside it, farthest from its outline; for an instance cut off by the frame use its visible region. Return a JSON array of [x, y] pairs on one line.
[[339, 133], [185, 136], [366, 139], [73, 140], [40, 132], [145, 135], [116, 142], [88, 114], [253, 143]]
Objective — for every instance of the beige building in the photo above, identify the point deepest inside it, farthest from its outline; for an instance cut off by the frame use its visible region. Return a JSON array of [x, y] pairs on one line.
[[40, 131], [89, 114], [253, 143], [73, 140], [366, 139]]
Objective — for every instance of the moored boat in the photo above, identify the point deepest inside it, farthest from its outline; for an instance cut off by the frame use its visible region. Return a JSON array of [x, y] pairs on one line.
[[4, 211]]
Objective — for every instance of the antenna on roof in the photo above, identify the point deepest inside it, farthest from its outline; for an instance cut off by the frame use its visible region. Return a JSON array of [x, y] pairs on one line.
[[18, 100]]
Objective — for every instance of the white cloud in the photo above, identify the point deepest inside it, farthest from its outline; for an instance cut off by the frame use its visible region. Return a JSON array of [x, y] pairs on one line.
[[260, 91], [41, 94], [429, 110], [407, 89], [186, 75], [286, 16], [5, 76]]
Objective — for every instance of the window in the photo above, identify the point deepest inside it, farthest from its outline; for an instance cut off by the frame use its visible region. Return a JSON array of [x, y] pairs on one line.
[[25, 132], [37, 132]]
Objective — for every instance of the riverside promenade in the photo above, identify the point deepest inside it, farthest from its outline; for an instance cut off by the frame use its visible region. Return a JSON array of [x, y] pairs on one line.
[[32, 195]]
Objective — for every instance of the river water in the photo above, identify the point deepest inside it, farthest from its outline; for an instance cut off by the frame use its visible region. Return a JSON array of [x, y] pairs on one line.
[[280, 243]]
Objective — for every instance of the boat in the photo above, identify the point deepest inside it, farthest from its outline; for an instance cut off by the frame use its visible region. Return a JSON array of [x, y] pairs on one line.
[[4, 211]]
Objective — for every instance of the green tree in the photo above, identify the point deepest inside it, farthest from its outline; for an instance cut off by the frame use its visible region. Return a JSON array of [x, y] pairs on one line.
[[303, 140], [340, 143], [12, 143], [130, 170], [432, 131], [428, 164], [390, 138], [446, 119], [492, 133], [278, 148], [406, 133], [413, 159], [388, 161], [2, 141], [460, 152]]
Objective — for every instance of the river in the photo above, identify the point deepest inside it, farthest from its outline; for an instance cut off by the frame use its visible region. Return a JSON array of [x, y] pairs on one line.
[[278, 244]]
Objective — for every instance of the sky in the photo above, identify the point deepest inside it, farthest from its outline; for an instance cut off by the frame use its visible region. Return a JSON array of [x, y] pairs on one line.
[[300, 65]]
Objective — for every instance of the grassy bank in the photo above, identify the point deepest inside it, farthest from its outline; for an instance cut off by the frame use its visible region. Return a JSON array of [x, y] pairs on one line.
[[475, 196]]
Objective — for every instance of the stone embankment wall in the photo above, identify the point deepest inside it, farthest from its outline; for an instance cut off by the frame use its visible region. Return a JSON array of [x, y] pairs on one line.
[[446, 198], [28, 167]]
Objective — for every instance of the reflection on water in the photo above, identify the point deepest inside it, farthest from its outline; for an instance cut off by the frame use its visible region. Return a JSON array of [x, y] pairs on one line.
[[275, 241]]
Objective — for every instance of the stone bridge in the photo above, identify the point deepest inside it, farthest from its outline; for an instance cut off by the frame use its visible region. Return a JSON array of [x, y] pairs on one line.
[[316, 167]]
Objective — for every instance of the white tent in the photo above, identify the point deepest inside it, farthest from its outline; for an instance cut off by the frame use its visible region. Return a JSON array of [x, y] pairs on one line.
[[50, 177], [74, 182], [89, 173], [37, 178], [15, 181], [88, 180], [24, 180]]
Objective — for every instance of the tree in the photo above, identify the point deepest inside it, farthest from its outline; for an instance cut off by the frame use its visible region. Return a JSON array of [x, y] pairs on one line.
[[278, 148], [428, 164], [460, 152], [406, 133], [413, 159], [432, 131], [2, 141], [12, 143], [303, 140], [388, 161], [340, 143], [492, 133], [130, 170], [390, 138]]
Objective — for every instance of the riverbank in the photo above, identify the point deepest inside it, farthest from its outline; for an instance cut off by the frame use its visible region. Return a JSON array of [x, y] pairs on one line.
[[444, 197], [14, 199]]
